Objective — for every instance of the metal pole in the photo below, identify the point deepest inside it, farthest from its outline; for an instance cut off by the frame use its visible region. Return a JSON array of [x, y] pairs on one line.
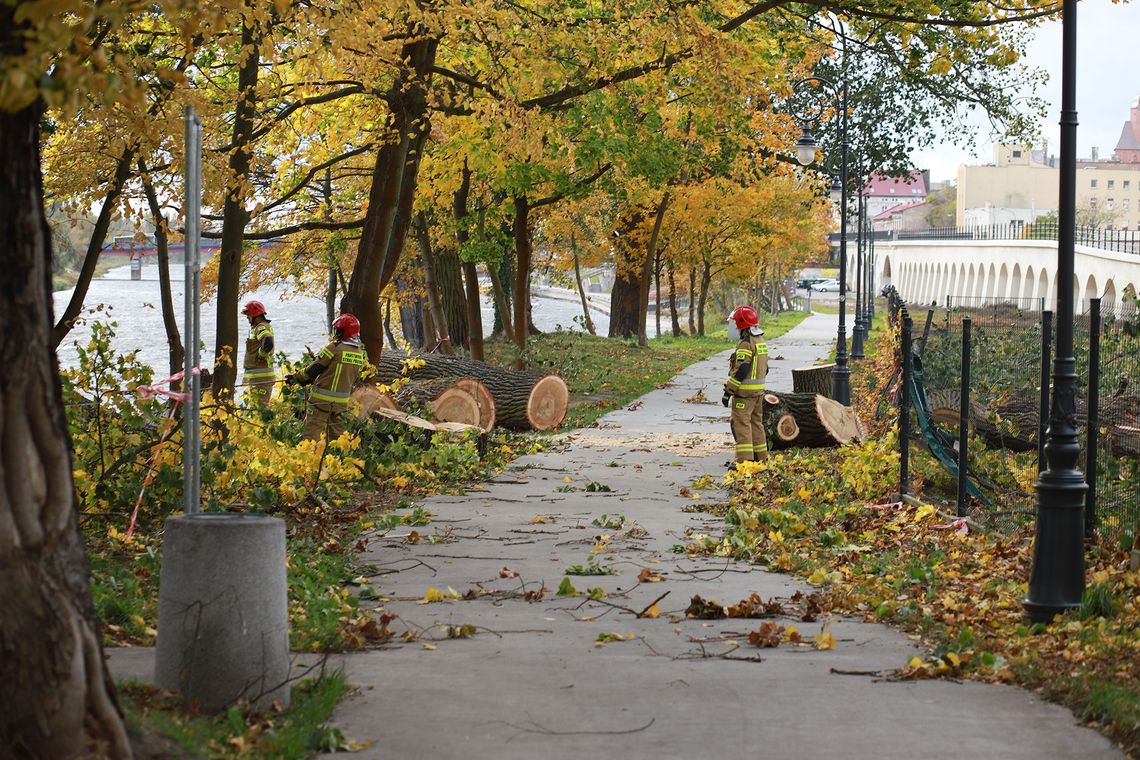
[[964, 418], [857, 330], [873, 283], [1043, 405], [191, 382], [1093, 418], [904, 407], [1057, 580], [841, 375]]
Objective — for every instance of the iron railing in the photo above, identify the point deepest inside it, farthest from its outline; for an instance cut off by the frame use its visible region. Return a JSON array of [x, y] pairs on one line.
[[1124, 241]]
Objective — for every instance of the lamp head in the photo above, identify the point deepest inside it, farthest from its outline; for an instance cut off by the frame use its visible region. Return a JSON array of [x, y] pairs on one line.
[[806, 148]]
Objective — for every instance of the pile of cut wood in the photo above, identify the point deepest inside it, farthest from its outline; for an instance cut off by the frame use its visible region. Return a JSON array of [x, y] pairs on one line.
[[455, 390], [808, 420]]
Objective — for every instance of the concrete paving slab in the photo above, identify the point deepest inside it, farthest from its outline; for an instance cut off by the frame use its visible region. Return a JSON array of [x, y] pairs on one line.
[[533, 682]]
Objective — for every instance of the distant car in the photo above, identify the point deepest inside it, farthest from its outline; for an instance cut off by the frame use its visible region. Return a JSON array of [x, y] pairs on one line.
[[826, 286], [807, 282]]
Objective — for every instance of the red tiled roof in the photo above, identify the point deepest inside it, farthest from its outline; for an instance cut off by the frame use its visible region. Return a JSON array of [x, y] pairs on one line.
[[897, 209], [879, 185]]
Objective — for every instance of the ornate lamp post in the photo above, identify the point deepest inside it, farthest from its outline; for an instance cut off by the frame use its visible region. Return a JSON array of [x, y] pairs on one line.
[[1057, 581], [858, 332], [806, 148]]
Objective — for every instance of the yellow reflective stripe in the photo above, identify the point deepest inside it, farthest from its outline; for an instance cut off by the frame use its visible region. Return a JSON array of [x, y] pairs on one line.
[[743, 447], [336, 377], [752, 386], [325, 353], [760, 447], [262, 372], [742, 354], [733, 382], [322, 395]]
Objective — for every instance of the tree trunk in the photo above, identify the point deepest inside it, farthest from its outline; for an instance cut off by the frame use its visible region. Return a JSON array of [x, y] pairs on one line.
[[330, 289], [393, 188], [522, 278], [815, 421], [453, 302], [706, 279], [523, 400], [589, 323], [813, 379], [235, 217], [473, 300], [388, 322], [647, 269], [502, 305], [411, 316], [692, 300], [162, 251], [442, 398], [427, 259], [623, 304], [58, 699], [94, 247], [657, 285], [676, 323]]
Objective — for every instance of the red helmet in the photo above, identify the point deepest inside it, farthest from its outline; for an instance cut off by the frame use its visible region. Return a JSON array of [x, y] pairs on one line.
[[253, 309], [347, 326], [744, 317]]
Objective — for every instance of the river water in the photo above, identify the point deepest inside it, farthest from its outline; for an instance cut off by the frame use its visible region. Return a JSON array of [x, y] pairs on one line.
[[298, 321]]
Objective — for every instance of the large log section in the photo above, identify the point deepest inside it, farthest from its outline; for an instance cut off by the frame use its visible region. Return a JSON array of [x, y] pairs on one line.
[[523, 400], [813, 379], [808, 420], [442, 398]]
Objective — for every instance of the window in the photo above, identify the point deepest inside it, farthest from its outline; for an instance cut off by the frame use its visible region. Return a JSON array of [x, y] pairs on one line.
[[1110, 204], [1112, 184], [1092, 202], [1017, 154], [1124, 204], [1127, 184], [892, 191], [1093, 184]]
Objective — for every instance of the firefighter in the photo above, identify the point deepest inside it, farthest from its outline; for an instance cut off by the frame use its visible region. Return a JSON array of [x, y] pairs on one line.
[[258, 375], [745, 387], [332, 374]]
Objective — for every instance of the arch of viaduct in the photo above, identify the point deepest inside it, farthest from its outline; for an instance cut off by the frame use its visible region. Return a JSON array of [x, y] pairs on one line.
[[926, 271]]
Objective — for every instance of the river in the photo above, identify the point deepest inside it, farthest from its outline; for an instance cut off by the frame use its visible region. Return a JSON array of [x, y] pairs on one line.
[[298, 321]]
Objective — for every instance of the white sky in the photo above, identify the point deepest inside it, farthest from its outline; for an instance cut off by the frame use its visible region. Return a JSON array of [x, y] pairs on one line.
[[1108, 79]]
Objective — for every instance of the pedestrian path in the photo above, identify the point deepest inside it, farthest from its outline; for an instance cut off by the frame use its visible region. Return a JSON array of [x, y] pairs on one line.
[[532, 680]]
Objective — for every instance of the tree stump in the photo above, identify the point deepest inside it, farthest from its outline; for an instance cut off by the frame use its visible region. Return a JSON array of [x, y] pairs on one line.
[[443, 398], [369, 398], [813, 379], [808, 420], [523, 400]]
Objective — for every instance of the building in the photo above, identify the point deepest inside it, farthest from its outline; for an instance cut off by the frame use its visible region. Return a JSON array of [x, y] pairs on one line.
[[1022, 184], [885, 193], [906, 216]]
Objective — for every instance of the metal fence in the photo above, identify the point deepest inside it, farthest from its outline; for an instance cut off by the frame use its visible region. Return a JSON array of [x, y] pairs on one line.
[[978, 366], [1125, 241]]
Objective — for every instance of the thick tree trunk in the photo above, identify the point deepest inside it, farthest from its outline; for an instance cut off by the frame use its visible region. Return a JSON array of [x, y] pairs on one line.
[[393, 188], [441, 398], [473, 300], [676, 323], [94, 247], [522, 278], [692, 300], [813, 379], [411, 316], [235, 217], [589, 323], [502, 305], [523, 400], [623, 304], [657, 285], [162, 251], [808, 420], [453, 302], [427, 260], [330, 288], [57, 698]]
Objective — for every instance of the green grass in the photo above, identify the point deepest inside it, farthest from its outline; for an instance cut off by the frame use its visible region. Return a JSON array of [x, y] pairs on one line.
[[298, 732], [66, 280], [604, 374]]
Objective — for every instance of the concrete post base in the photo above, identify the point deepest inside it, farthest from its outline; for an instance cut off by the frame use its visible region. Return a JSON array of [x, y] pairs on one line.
[[223, 617]]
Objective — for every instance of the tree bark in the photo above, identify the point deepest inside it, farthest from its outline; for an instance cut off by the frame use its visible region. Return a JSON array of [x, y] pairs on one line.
[[819, 421], [676, 323], [162, 251], [522, 278], [453, 301], [58, 699], [439, 321], [706, 279], [411, 316], [388, 322], [692, 300], [393, 188], [473, 300], [235, 217], [330, 288], [502, 305], [647, 270], [657, 285], [589, 323], [94, 247]]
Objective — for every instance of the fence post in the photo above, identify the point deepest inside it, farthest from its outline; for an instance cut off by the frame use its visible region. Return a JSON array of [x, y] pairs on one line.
[[1043, 407], [925, 332], [1093, 418], [904, 407], [964, 418]]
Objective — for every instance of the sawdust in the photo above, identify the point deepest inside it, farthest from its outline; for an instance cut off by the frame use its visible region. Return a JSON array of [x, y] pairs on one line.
[[680, 444]]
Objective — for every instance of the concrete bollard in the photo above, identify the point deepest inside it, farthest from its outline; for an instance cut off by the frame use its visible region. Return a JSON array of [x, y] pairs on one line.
[[223, 617]]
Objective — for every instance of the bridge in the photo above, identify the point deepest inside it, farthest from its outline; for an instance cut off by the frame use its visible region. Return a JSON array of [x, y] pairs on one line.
[[1003, 263]]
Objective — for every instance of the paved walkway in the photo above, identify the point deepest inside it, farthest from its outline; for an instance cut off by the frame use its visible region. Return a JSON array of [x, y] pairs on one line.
[[532, 684]]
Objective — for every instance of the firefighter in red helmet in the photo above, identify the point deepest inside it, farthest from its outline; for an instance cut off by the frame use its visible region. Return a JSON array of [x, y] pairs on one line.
[[744, 391], [332, 374], [258, 375]]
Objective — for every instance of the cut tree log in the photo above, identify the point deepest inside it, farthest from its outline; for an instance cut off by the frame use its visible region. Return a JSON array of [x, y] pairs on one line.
[[813, 379], [483, 399], [808, 420], [523, 400], [442, 398], [369, 398]]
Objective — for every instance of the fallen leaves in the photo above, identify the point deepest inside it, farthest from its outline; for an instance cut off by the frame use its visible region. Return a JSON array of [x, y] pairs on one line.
[[435, 595]]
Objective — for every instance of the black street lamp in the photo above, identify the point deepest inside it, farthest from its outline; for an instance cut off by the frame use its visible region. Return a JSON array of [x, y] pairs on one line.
[[1057, 581], [858, 333], [806, 148]]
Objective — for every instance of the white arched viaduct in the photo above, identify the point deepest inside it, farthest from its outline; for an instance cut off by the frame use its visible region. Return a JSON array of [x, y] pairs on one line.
[[926, 271]]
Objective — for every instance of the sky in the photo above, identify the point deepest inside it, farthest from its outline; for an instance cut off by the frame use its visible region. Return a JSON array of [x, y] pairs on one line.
[[1108, 80]]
